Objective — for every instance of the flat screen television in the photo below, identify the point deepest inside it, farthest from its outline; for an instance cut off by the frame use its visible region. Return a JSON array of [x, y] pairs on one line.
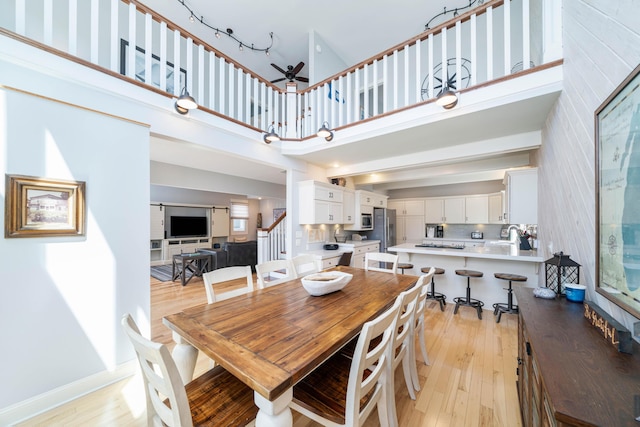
[[188, 226]]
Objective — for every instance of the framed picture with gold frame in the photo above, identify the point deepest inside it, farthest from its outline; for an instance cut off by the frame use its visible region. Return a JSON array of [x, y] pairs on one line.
[[617, 143], [42, 207]]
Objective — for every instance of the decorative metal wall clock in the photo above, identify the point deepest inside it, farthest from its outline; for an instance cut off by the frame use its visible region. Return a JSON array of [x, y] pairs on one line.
[[452, 77]]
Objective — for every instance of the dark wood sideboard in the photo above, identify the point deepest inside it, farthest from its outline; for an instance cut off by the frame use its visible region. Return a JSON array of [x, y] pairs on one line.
[[568, 375]]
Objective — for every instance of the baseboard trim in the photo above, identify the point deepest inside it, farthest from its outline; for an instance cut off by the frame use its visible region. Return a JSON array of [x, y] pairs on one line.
[[36, 405]]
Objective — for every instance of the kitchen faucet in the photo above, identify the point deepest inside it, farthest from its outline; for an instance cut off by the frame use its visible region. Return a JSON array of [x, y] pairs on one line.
[[513, 239]]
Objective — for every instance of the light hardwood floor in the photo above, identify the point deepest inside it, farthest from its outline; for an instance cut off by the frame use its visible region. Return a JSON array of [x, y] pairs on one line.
[[471, 380]]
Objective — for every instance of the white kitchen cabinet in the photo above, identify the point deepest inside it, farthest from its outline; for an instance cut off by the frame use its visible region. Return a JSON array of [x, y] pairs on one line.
[[407, 207], [367, 198], [319, 203], [410, 229], [348, 206], [454, 212], [496, 208], [357, 258], [365, 201], [476, 209], [521, 196], [434, 210]]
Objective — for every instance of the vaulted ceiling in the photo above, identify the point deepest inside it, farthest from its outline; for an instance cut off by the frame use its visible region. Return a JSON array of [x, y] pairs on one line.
[[415, 149]]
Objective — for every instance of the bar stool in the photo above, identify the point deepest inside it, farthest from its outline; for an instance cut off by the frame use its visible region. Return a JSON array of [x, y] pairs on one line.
[[509, 307], [404, 265], [468, 301], [432, 294]]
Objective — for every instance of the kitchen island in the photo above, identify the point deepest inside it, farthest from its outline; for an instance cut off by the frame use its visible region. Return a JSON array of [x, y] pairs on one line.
[[329, 258], [489, 259]]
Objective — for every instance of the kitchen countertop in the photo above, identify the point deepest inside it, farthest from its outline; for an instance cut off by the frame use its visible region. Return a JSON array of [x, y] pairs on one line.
[[347, 246], [509, 252]]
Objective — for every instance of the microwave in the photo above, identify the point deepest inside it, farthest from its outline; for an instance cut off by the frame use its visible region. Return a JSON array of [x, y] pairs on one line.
[[366, 221]]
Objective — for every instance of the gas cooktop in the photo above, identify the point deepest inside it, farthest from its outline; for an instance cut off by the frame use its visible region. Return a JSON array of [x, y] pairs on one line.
[[441, 245]]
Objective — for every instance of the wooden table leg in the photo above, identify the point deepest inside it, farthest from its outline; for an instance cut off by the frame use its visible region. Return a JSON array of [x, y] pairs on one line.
[[274, 413]]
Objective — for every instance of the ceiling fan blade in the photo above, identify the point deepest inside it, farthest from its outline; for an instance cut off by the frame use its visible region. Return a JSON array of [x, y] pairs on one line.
[[278, 68], [278, 80], [298, 68], [302, 79]]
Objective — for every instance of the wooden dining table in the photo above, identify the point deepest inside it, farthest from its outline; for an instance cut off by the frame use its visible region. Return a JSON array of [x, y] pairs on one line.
[[272, 338]]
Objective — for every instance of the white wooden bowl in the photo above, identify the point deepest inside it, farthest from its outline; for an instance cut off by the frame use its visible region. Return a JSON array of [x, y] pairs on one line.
[[325, 282]]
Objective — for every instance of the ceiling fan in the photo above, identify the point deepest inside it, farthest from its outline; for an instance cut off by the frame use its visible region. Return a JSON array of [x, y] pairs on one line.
[[290, 73]]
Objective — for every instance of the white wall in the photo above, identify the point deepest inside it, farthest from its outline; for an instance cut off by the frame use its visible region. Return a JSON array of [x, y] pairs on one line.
[[601, 40], [62, 297]]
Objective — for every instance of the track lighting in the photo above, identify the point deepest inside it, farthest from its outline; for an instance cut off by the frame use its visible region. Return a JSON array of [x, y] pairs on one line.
[[271, 136], [228, 32], [185, 102], [325, 132]]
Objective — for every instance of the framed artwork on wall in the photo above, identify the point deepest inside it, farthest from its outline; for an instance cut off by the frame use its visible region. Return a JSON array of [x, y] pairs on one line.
[[42, 207], [617, 144]]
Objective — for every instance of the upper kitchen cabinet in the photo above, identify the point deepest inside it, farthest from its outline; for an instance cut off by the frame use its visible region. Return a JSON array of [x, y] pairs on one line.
[[521, 196], [348, 206], [434, 210], [476, 209], [319, 203], [496, 208], [445, 210], [365, 201], [367, 198], [407, 207]]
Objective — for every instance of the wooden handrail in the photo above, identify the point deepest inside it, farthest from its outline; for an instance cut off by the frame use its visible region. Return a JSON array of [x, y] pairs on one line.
[[275, 223]]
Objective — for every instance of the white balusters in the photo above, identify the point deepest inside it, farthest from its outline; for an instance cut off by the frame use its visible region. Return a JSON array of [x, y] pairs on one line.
[[148, 46], [21, 17], [72, 43], [526, 38], [231, 105], [200, 94], [418, 71], [489, 46], [459, 55], [163, 56], [221, 88], [212, 81], [474, 51], [114, 44], [177, 90], [95, 31], [430, 69], [406, 76], [506, 9], [240, 95], [131, 52], [47, 21]]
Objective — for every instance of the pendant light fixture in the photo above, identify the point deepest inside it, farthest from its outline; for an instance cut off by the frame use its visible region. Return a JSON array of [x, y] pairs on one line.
[[447, 98], [325, 132], [185, 102], [271, 136]]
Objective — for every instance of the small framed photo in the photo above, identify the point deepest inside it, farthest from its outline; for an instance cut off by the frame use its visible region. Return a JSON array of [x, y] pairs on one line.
[[42, 207]]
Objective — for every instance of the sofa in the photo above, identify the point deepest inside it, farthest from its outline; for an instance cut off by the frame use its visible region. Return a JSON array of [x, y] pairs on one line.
[[242, 253], [233, 254]]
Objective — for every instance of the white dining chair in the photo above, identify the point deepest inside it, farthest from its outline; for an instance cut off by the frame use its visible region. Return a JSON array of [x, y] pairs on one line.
[[344, 391], [379, 261], [214, 398], [274, 272], [305, 264], [418, 327], [224, 275], [402, 345]]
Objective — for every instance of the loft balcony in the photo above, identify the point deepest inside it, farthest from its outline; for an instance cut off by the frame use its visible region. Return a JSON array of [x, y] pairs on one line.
[[503, 59]]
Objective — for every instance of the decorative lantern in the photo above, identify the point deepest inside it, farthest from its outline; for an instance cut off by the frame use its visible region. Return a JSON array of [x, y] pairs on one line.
[[560, 270]]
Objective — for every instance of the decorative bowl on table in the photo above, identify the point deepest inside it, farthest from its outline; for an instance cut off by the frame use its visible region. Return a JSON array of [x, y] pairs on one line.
[[325, 282]]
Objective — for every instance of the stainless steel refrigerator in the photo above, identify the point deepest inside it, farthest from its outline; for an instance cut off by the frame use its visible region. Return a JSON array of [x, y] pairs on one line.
[[384, 228]]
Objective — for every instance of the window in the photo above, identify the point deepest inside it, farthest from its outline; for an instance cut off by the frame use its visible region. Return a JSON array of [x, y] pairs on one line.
[[239, 217]]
